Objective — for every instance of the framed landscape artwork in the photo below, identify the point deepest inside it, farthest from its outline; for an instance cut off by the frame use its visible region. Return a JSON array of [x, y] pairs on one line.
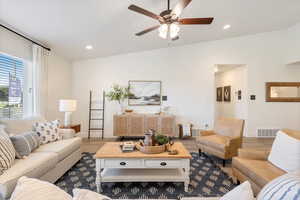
[[219, 94], [227, 93], [143, 93]]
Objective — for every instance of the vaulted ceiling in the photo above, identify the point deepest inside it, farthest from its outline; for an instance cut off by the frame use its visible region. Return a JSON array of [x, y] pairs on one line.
[[67, 26]]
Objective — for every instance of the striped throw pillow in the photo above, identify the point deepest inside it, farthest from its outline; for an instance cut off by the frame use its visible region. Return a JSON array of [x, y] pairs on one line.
[[285, 187], [7, 151], [25, 143]]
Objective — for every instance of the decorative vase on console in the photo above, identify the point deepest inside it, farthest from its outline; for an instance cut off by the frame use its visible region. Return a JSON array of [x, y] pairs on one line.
[[119, 94], [150, 138]]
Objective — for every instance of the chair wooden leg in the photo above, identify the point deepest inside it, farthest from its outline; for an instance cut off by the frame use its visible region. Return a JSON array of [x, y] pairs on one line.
[[224, 162], [200, 153]]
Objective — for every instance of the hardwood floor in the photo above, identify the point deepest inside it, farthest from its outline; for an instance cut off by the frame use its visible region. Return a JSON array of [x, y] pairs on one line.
[[93, 145]]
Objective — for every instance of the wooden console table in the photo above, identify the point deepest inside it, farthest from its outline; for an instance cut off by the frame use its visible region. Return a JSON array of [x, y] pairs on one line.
[[137, 124]]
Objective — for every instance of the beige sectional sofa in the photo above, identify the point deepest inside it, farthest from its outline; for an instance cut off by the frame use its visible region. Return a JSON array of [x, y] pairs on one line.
[[49, 162]]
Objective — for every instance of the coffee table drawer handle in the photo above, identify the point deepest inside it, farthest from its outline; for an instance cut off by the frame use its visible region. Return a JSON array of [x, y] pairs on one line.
[[163, 163], [123, 163]]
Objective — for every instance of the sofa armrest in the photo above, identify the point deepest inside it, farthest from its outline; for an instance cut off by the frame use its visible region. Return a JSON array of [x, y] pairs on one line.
[[66, 133], [206, 133], [234, 141], [233, 144], [254, 154]]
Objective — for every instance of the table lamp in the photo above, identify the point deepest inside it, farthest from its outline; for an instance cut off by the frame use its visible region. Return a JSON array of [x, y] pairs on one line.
[[68, 106]]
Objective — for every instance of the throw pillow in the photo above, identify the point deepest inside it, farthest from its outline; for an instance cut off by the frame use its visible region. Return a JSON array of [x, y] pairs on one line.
[[48, 131], [33, 189], [7, 151], [285, 152], [242, 191], [25, 143], [285, 187], [82, 194]]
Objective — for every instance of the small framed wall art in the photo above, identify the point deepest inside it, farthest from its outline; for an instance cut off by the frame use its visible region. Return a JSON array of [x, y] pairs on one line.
[[219, 94], [227, 93]]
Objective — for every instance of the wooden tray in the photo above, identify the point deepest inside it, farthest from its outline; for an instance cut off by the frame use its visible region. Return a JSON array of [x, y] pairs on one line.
[[151, 149]]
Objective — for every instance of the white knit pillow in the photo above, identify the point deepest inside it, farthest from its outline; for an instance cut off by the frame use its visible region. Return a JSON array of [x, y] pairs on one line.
[[82, 194], [285, 152], [33, 189]]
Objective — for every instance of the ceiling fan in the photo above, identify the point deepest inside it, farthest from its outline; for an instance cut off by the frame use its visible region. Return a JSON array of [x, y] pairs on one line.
[[169, 20]]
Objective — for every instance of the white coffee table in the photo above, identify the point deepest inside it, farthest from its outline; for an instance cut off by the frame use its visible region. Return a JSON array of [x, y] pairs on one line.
[[139, 167]]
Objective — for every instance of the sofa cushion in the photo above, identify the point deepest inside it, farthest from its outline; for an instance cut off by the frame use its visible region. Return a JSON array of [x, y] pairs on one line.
[[18, 126], [216, 141], [62, 147], [35, 165], [261, 171]]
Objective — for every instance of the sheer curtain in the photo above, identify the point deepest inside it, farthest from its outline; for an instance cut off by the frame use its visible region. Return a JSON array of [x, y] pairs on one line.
[[40, 80]]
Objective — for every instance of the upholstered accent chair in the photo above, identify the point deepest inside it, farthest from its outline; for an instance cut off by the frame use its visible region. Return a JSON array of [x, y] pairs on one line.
[[253, 165], [224, 140]]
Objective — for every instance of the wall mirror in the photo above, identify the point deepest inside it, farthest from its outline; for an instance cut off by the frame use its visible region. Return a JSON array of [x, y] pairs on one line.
[[283, 92]]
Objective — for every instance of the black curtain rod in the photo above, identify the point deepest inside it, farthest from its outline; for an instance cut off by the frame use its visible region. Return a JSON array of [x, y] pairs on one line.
[[25, 37]]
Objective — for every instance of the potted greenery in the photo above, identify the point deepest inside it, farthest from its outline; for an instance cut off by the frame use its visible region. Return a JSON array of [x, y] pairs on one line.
[[119, 94], [161, 139]]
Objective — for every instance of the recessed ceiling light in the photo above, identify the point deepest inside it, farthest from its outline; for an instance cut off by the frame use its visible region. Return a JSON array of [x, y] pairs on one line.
[[227, 26], [89, 47]]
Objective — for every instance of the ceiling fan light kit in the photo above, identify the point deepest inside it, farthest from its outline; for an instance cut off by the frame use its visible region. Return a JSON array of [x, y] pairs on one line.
[[169, 20], [169, 31]]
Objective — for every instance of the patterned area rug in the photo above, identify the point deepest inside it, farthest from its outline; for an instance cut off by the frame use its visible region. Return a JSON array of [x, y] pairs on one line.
[[207, 180]]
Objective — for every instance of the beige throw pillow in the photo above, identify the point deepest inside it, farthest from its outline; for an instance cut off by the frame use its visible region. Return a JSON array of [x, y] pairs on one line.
[[33, 189]]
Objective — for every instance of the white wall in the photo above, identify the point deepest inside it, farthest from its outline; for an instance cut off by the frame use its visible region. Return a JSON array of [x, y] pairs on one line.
[[59, 84], [187, 75], [237, 79], [186, 82], [293, 45]]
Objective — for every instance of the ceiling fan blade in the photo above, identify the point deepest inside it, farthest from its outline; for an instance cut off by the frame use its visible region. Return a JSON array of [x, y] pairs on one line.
[[145, 12], [187, 21], [176, 12], [147, 30]]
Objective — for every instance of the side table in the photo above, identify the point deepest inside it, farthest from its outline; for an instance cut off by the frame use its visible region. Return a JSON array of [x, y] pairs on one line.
[[70, 131]]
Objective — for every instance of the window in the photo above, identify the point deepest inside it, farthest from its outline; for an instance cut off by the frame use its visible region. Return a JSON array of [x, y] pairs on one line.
[[11, 87]]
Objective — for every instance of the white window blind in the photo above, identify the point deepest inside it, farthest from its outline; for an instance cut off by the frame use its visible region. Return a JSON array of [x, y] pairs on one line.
[[11, 87]]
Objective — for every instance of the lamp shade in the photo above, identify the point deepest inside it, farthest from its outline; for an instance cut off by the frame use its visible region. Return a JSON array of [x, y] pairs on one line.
[[67, 105]]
